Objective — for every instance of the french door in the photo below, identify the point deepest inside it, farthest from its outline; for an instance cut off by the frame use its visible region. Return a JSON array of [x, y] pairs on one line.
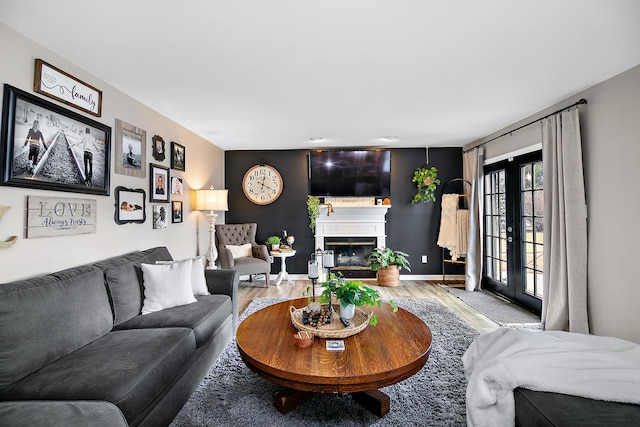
[[514, 229]]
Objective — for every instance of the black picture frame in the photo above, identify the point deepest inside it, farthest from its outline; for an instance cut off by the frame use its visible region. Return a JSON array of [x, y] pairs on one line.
[[130, 205], [158, 148], [176, 211], [61, 162], [178, 155], [159, 180]]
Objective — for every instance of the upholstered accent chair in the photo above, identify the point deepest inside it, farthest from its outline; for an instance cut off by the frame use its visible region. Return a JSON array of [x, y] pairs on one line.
[[234, 252]]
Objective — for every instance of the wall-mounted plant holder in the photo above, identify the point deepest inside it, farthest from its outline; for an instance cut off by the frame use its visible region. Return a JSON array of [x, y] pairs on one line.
[[11, 240]]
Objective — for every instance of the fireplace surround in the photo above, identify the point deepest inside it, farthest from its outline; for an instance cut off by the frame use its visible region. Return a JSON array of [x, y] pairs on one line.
[[351, 231]]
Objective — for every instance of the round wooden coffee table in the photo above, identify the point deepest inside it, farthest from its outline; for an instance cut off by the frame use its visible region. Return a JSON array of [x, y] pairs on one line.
[[379, 356]]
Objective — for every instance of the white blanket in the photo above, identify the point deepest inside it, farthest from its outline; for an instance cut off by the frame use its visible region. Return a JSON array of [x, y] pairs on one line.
[[602, 368]]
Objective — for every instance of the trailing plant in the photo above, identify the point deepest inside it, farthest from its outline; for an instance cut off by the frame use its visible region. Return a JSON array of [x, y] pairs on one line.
[[352, 292], [273, 240], [384, 257], [313, 207], [426, 180]]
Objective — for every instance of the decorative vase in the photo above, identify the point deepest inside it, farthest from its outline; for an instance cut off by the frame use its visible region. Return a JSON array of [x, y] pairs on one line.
[[389, 276], [275, 247], [347, 311]]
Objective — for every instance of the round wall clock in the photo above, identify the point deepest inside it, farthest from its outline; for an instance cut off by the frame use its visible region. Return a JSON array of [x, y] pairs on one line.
[[262, 184]]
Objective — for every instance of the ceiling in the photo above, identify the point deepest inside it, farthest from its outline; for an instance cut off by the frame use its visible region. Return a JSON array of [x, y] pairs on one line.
[[256, 74]]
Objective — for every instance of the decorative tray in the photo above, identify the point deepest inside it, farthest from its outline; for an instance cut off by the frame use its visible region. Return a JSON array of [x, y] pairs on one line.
[[335, 329]]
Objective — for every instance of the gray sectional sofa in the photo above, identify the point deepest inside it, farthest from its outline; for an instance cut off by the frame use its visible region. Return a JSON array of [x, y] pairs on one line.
[[75, 349]]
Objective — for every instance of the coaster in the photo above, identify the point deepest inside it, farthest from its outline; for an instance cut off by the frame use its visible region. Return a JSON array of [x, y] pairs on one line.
[[335, 345]]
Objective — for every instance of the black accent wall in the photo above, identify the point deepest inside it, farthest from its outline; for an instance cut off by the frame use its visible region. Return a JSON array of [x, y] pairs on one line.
[[410, 228]]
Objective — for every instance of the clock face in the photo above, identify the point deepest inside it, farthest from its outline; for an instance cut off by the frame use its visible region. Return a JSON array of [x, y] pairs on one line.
[[262, 184]]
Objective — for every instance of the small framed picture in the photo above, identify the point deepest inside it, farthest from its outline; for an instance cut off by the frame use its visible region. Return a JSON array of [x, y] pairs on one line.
[[177, 156], [158, 189], [130, 205], [158, 149], [176, 215], [130, 150], [159, 217], [176, 186]]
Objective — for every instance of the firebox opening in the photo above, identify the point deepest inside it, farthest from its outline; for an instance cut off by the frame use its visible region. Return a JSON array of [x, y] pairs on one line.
[[350, 254]]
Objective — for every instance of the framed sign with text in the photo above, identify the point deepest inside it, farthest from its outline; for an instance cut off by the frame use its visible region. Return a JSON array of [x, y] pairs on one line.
[[55, 83], [60, 216]]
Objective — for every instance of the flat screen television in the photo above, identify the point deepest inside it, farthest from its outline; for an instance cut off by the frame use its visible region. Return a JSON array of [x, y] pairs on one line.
[[355, 173]]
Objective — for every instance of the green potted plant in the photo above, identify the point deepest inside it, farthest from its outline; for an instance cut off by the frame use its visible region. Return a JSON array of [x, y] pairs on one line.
[[313, 208], [426, 180], [388, 263], [351, 294], [274, 241]]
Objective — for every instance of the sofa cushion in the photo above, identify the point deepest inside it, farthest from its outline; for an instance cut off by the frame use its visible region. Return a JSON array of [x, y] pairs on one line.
[[128, 368], [47, 317], [203, 317], [537, 408], [123, 278], [46, 413], [166, 285]]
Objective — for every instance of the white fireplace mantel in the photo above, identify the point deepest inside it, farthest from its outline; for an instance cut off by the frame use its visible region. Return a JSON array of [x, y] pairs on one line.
[[352, 221]]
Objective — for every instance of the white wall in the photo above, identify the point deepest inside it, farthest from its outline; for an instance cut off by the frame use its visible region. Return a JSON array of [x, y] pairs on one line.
[[204, 166], [610, 128]]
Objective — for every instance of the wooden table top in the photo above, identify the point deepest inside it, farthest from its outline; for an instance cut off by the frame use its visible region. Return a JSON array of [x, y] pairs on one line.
[[379, 356]]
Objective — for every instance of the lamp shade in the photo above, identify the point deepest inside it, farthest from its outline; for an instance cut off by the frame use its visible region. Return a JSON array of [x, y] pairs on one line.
[[212, 200]]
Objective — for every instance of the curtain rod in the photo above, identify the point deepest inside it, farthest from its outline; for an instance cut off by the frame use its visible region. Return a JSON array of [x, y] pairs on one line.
[[582, 101]]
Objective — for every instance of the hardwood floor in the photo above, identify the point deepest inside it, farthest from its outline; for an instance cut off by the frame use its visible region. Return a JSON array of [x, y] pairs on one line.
[[247, 291]]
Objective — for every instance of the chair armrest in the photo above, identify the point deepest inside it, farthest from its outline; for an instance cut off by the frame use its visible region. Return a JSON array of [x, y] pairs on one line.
[[226, 258], [260, 251], [225, 282]]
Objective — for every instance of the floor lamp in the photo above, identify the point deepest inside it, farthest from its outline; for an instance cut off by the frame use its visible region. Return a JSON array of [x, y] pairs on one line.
[[212, 200]]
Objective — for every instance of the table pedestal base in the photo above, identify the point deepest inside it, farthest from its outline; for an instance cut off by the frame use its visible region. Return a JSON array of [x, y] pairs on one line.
[[375, 401]]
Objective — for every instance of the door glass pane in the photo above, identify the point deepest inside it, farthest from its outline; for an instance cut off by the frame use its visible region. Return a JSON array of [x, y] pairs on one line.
[[495, 230], [532, 220]]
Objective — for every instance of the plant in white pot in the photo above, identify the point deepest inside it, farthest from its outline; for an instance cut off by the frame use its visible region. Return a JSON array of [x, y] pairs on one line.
[[351, 294], [388, 263], [274, 241]]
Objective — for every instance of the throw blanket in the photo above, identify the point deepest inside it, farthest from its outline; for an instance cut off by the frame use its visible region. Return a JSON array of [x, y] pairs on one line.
[[448, 236], [602, 368]]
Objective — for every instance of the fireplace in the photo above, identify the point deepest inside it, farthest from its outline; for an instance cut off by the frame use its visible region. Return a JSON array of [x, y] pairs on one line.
[[352, 232], [350, 253]]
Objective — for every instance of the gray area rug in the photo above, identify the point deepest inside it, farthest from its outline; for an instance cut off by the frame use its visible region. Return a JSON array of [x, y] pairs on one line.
[[504, 313], [232, 395]]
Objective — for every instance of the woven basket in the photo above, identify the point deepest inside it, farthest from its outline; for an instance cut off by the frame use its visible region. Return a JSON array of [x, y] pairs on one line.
[[389, 276], [335, 329]]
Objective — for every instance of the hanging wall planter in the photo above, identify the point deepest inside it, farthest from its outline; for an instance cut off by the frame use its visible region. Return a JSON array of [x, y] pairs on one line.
[[426, 180]]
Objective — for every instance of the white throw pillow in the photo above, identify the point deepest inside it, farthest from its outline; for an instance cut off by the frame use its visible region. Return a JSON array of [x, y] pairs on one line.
[[239, 251], [198, 282], [166, 285]]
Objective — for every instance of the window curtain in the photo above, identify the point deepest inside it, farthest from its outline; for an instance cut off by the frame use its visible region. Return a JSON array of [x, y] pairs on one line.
[[564, 304], [472, 172]]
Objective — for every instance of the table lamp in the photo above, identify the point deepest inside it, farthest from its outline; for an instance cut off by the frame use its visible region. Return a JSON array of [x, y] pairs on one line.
[[212, 200]]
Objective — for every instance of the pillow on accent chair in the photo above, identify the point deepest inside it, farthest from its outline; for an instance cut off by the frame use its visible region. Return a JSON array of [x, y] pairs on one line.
[[166, 285], [239, 251], [198, 282]]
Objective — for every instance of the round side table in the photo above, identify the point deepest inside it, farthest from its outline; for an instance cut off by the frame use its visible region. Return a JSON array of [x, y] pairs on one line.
[[283, 269]]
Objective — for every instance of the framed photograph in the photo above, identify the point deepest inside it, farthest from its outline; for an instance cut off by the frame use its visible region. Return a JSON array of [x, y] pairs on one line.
[[130, 205], [158, 189], [159, 217], [158, 149], [130, 150], [176, 215], [49, 147], [59, 85], [176, 186], [177, 156]]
